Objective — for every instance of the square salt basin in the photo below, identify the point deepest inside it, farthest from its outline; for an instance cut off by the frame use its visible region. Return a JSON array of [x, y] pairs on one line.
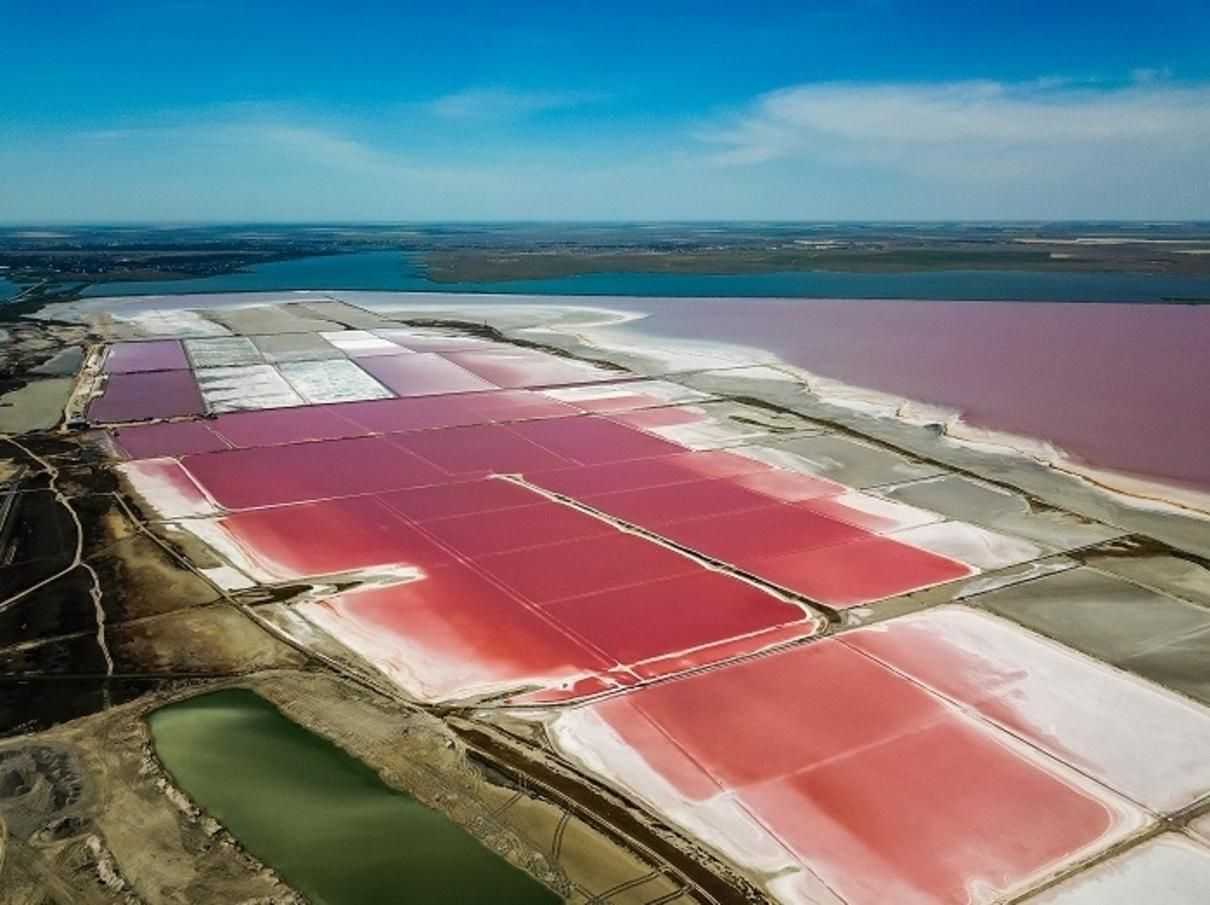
[[852, 462], [545, 574], [432, 340], [454, 634], [663, 618], [457, 410], [330, 537], [586, 481], [844, 770], [742, 538], [422, 374], [223, 352], [873, 513], [1167, 870], [536, 525], [972, 545], [280, 318], [651, 507], [246, 388], [624, 397], [150, 355], [146, 441], [858, 572], [332, 381], [358, 343], [589, 440], [266, 476], [515, 368], [479, 448], [690, 426], [276, 427], [1143, 742], [165, 487], [145, 395], [442, 501], [295, 347]]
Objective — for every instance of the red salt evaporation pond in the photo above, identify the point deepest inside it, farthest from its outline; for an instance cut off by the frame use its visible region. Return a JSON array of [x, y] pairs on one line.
[[588, 480], [1138, 739], [651, 507], [822, 546], [423, 504], [496, 531], [1120, 386], [717, 463], [422, 374], [274, 427], [145, 395], [590, 440], [610, 477], [546, 574], [429, 412], [479, 448], [454, 634], [528, 368], [176, 438], [287, 543], [151, 355], [459, 632], [858, 571], [267, 476], [659, 618], [741, 538], [819, 756], [166, 485]]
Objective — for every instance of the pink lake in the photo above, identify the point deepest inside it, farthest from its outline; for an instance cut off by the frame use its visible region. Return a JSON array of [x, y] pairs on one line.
[[1119, 386]]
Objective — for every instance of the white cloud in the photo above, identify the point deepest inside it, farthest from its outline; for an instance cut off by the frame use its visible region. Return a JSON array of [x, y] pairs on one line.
[[966, 127], [499, 103], [1050, 148]]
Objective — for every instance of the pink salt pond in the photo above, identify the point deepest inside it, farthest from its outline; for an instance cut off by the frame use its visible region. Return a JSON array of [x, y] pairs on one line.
[[287, 543], [455, 634], [145, 395], [422, 374], [459, 631], [174, 438], [270, 475], [149, 355], [821, 766], [517, 367], [1136, 738]]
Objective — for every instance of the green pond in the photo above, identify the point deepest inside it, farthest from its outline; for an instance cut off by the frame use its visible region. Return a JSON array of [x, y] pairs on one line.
[[322, 819]]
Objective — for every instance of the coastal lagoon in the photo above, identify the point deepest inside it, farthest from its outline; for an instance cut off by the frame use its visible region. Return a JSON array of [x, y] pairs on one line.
[[392, 270]]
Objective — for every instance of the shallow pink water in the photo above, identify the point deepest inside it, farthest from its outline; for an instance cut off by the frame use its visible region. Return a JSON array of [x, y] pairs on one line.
[[1119, 386]]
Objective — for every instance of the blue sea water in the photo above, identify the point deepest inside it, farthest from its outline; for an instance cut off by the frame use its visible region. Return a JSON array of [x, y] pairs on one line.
[[390, 270]]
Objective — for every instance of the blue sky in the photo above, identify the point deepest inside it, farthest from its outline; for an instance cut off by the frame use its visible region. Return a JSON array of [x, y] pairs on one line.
[[871, 109]]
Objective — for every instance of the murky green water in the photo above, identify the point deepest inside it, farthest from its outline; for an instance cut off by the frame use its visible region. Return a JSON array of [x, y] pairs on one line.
[[322, 819]]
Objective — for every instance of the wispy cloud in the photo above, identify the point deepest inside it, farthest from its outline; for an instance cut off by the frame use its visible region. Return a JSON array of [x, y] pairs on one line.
[[261, 131], [929, 128], [501, 103]]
